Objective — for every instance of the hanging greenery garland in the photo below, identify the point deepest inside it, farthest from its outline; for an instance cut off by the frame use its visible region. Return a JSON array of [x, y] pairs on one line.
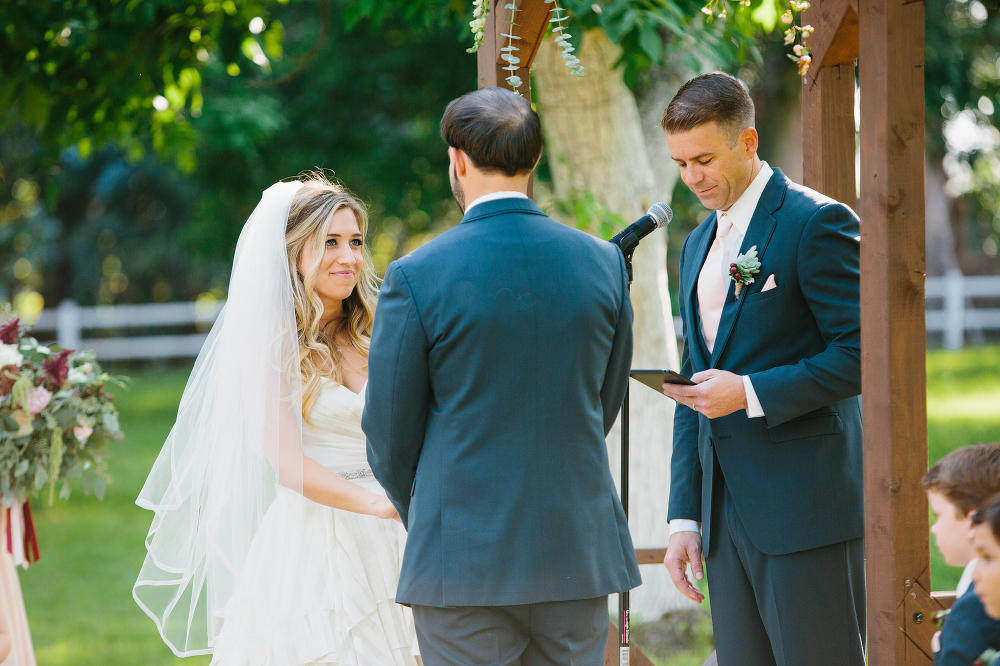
[[559, 32]]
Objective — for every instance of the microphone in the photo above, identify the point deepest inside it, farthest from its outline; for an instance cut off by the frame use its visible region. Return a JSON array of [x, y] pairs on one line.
[[658, 215]]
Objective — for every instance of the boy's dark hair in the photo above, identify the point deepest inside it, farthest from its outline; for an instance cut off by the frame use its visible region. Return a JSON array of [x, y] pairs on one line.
[[711, 97], [967, 477], [989, 514], [496, 128]]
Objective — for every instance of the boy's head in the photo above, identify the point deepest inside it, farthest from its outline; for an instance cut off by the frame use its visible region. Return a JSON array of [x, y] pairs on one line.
[[956, 486]]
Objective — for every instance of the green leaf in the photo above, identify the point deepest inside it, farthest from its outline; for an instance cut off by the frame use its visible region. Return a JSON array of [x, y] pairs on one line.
[[21, 468], [766, 14], [649, 41]]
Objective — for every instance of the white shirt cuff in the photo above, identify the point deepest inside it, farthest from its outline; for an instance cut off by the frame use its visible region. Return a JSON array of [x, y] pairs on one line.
[[754, 410], [684, 525]]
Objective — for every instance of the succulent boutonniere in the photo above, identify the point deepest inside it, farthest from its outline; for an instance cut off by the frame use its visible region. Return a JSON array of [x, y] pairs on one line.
[[744, 268], [987, 658]]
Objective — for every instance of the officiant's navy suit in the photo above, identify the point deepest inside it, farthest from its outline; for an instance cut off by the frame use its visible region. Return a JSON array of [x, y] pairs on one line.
[[780, 497], [498, 364]]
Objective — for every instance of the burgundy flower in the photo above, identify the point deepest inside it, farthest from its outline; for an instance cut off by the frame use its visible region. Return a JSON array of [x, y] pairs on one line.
[[57, 368], [9, 331]]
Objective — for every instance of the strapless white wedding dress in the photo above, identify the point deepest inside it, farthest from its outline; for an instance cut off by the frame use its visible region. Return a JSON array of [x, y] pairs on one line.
[[319, 584]]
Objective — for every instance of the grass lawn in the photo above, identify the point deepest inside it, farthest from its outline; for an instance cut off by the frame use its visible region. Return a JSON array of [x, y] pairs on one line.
[[79, 596], [963, 408]]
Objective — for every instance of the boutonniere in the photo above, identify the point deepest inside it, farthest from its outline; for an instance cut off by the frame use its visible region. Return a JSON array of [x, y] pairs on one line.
[[987, 658], [744, 268]]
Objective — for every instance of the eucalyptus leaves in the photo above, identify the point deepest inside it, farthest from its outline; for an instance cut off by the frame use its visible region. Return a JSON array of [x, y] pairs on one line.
[[508, 53], [562, 38]]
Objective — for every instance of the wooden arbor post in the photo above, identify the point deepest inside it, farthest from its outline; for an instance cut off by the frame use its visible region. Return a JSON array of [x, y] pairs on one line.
[[887, 37]]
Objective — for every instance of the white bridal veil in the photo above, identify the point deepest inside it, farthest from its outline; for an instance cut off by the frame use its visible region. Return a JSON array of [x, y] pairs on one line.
[[237, 436]]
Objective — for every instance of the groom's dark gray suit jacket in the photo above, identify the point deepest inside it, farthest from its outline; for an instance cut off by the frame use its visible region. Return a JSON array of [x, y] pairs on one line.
[[498, 364], [795, 475]]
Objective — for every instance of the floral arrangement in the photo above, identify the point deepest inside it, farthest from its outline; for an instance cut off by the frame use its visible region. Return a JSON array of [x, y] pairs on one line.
[[56, 418], [795, 35]]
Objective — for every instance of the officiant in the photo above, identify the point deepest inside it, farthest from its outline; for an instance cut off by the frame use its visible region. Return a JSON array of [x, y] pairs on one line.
[[766, 473]]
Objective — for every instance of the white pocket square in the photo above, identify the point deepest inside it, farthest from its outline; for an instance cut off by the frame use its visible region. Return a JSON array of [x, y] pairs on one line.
[[769, 283]]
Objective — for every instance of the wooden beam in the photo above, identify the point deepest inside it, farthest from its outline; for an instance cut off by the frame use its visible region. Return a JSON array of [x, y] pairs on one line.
[[650, 555], [635, 655], [828, 133], [835, 41], [893, 341], [487, 55]]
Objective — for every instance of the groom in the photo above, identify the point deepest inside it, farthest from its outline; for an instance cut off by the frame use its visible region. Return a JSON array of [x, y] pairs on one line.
[[767, 445], [498, 364]]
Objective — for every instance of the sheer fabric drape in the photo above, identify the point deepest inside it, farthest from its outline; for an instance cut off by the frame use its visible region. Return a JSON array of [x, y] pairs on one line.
[[238, 435]]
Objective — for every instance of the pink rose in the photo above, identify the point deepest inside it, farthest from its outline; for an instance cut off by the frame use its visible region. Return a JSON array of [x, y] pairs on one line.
[[84, 431], [38, 399]]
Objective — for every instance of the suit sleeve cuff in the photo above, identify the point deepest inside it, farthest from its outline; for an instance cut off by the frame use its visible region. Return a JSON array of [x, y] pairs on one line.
[[754, 410], [684, 525]]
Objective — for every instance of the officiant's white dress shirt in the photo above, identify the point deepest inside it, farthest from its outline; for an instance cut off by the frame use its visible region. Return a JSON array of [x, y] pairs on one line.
[[740, 213]]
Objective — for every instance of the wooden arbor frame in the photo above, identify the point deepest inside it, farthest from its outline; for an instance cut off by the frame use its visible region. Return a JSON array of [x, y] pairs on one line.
[[886, 38]]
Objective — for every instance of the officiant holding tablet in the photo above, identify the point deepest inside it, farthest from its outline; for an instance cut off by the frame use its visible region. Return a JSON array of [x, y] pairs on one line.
[[766, 473]]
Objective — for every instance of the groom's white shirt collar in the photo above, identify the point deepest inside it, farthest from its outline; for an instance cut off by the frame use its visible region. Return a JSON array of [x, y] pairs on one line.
[[741, 212], [493, 196]]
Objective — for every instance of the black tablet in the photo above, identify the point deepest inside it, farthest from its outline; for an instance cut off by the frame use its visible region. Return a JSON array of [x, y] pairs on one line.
[[655, 379]]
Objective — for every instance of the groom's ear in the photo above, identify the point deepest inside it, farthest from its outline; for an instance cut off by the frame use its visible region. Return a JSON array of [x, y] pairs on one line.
[[460, 160]]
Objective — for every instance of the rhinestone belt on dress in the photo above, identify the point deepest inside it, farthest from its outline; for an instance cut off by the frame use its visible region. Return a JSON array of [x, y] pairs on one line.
[[360, 473]]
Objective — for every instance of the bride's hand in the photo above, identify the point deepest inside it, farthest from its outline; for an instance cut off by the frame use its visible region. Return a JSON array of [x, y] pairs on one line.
[[385, 510]]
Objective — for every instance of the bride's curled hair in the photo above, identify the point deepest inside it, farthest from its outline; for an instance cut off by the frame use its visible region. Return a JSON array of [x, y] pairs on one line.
[[312, 207]]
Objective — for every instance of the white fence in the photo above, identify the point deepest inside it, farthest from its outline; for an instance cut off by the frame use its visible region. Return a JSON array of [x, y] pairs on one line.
[[949, 313], [70, 322], [956, 317]]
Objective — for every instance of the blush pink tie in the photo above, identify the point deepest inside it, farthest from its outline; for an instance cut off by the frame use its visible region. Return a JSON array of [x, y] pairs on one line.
[[711, 289]]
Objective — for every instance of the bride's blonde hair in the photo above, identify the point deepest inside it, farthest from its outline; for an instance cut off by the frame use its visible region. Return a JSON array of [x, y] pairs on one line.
[[308, 218]]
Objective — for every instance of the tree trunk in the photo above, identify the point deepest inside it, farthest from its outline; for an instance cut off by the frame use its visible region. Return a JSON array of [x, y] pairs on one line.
[[941, 254], [595, 143]]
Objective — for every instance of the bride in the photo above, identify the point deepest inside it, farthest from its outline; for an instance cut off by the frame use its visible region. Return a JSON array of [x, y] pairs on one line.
[[271, 541]]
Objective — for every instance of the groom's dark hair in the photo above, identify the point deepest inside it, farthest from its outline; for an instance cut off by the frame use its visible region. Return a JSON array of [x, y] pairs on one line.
[[714, 97], [496, 128]]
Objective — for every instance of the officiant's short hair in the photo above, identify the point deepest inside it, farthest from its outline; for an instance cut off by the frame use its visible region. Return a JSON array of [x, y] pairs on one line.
[[496, 128], [966, 477], [714, 97]]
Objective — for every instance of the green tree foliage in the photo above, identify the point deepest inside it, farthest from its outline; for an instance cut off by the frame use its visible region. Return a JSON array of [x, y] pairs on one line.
[[87, 72], [963, 87]]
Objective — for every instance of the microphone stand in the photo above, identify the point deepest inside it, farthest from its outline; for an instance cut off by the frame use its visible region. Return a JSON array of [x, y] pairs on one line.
[[623, 597]]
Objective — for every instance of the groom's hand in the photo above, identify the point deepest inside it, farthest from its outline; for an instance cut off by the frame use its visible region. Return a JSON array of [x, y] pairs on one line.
[[715, 393], [685, 548]]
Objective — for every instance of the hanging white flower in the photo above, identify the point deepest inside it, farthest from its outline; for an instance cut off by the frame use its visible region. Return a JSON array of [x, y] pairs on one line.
[[9, 355], [481, 9]]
